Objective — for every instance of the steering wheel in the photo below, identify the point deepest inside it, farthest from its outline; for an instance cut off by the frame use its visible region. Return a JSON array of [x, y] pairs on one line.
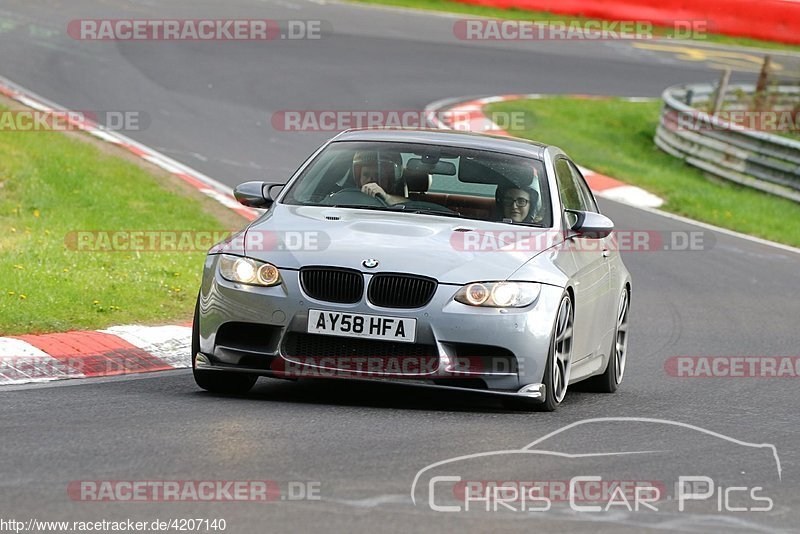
[[354, 196]]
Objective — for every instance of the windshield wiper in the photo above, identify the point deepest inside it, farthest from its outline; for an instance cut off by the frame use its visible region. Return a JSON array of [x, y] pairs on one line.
[[424, 211], [406, 209], [398, 207], [525, 224], [356, 207]]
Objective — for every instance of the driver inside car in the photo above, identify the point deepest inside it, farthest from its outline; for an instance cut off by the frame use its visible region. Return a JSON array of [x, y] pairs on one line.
[[378, 176]]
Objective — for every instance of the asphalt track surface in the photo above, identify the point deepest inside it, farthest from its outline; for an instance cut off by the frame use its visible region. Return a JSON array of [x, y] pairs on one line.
[[210, 106]]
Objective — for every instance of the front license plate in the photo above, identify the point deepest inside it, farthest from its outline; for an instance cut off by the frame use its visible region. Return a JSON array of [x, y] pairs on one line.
[[359, 325]]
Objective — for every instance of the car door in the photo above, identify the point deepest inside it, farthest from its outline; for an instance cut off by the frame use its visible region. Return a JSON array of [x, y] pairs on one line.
[[588, 258], [607, 245]]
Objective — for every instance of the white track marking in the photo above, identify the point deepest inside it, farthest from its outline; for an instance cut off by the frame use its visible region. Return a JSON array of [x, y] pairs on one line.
[[172, 344]]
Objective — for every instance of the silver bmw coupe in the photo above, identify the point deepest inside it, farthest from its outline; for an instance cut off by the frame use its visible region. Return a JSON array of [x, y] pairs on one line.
[[447, 259]]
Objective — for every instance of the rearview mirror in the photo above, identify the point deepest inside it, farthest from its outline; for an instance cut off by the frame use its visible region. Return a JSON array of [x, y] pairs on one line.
[[256, 194], [589, 224], [438, 167]]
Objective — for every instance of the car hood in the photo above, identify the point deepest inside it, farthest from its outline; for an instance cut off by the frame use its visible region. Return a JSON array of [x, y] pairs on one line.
[[452, 250]]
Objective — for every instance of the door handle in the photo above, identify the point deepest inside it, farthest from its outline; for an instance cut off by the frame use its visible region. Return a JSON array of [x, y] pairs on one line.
[[606, 253]]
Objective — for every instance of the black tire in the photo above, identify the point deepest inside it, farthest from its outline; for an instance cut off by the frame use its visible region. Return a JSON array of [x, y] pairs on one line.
[[519, 404], [551, 401], [231, 383], [609, 381]]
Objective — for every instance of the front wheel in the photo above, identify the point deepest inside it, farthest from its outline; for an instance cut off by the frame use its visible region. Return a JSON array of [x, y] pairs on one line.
[[216, 381], [559, 362]]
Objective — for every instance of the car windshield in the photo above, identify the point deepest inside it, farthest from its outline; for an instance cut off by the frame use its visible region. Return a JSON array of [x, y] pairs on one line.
[[429, 179]]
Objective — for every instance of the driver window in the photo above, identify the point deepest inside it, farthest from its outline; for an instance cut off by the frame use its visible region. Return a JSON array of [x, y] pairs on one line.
[[586, 193], [571, 197]]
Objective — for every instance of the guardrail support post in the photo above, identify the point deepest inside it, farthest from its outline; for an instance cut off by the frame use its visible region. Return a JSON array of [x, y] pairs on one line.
[[722, 88], [761, 85]]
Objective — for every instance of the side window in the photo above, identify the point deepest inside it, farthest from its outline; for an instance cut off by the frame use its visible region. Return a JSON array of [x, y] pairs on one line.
[[571, 197], [589, 201]]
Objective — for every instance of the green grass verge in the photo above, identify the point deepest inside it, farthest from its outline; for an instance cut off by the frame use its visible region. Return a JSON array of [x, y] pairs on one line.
[[448, 6], [52, 184], [615, 137]]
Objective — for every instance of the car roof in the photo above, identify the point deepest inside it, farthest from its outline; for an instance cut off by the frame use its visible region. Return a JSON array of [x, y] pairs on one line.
[[453, 138]]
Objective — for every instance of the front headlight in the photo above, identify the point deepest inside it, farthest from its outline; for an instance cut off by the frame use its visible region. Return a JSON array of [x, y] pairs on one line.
[[248, 271], [498, 294]]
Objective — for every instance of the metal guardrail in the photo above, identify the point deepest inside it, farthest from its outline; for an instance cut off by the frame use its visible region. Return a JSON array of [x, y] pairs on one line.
[[760, 160]]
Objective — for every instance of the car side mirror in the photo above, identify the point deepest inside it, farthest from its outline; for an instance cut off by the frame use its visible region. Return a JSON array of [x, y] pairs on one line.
[[256, 194], [589, 224]]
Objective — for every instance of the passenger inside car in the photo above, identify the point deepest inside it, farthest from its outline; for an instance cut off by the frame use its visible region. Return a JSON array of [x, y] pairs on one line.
[[519, 204], [419, 183]]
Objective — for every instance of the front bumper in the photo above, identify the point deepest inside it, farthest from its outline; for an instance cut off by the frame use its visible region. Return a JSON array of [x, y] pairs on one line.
[[496, 351], [534, 392]]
